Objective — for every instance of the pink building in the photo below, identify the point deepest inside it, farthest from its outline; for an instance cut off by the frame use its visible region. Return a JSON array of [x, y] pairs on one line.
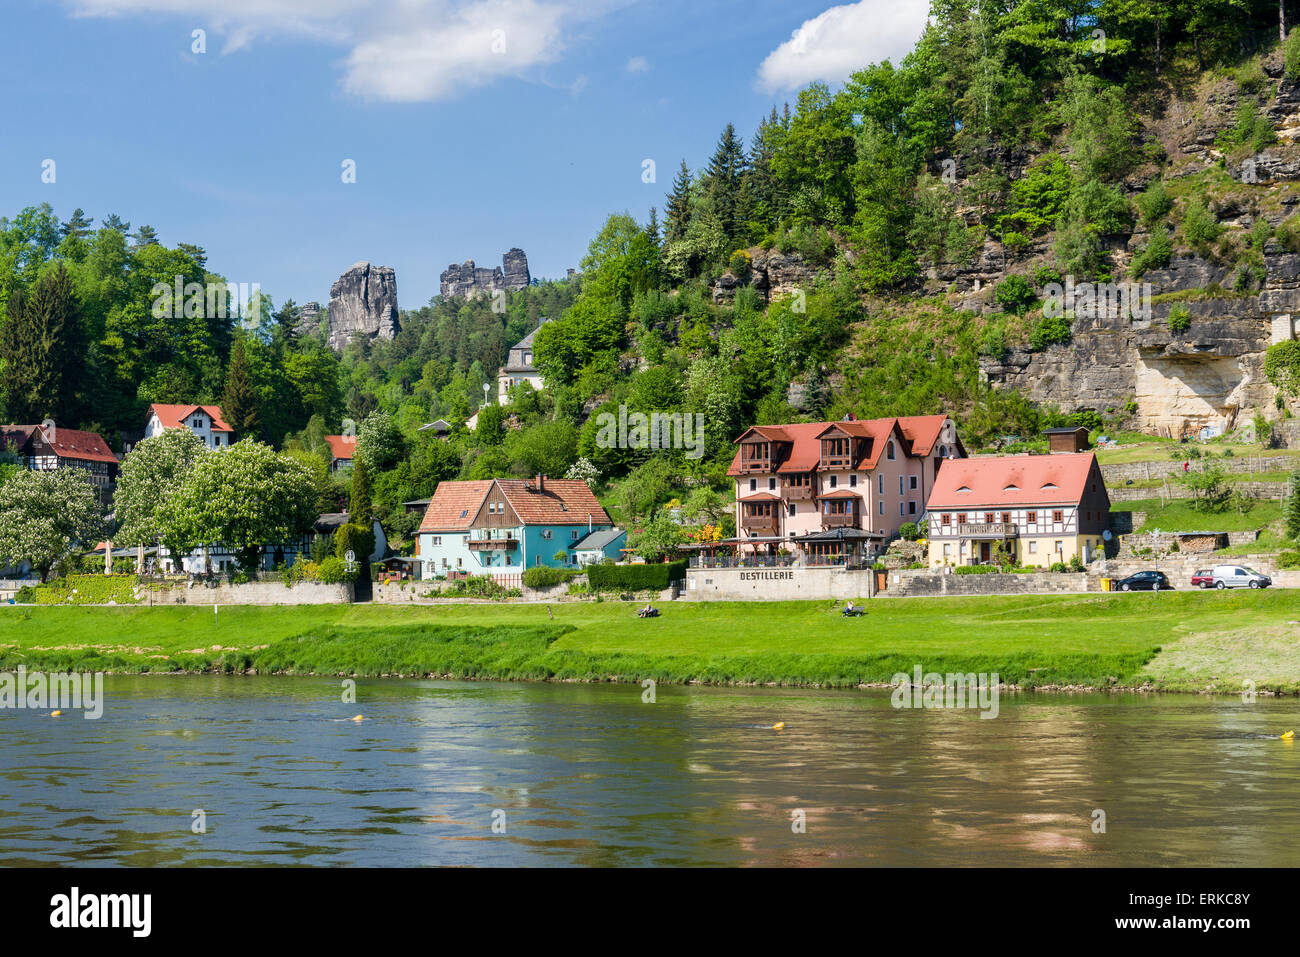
[[836, 492]]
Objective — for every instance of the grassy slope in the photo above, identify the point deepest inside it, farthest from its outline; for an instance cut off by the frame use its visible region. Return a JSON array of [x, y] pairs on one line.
[[1031, 640]]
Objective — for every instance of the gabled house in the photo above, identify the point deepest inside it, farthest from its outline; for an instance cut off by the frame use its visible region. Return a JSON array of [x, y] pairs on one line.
[[1041, 509], [519, 368], [45, 448], [837, 491], [205, 421], [343, 448], [500, 527]]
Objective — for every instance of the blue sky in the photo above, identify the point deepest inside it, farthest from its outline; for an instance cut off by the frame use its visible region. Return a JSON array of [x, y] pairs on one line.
[[475, 125]]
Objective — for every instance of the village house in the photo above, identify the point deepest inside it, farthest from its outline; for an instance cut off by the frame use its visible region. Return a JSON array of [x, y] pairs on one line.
[[48, 447], [1036, 510], [519, 368], [343, 448], [219, 558], [205, 421], [499, 527], [835, 492]]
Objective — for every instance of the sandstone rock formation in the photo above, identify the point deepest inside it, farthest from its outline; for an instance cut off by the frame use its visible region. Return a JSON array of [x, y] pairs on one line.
[[467, 279], [1180, 381], [774, 274], [363, 302]]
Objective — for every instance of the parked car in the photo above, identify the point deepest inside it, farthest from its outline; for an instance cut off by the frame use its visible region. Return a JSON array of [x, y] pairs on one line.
[[1143, 581], [1239, 576], [1204, 578]]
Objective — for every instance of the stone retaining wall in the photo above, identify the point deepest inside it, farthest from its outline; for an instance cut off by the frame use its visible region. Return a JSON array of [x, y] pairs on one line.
[[1129, 493], [1118, 474], [777, 584], [905, 584], [251, 593]]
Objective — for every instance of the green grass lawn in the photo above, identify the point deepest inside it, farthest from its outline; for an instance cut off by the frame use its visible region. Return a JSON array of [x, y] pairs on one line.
[[1095, 640], [1139, 447], [1179, 516]]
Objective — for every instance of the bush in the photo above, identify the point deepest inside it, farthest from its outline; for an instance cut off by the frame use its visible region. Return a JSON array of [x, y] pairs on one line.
[[1200, 227], [739, 265], [1180, 320], [1050, 330], [1154, 203], [331, 571], [909, 532], [1015, 294], [1154, 255], [1288, 560], [356, 539], [84, 590], [975, 569], [635, 577], [1291, 55], [1059, 567], [544, 576]]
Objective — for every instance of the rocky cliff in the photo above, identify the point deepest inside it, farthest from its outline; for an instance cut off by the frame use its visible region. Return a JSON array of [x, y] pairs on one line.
[[466, 279], [363, 302]]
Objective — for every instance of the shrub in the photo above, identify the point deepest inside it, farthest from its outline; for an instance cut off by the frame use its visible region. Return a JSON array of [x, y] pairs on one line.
[[544, 576], [1288, 560], [1059, 567], [635, 577], [908, 531], [739, 265], [356, 539], [331, 571], [975, 569], [1200, 227], [1015, 294], [1050, 330], [1291, 56], [1154, 203], [1154, 255], [1180, 320]]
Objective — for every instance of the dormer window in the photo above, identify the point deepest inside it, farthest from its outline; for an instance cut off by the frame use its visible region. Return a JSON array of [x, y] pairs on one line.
[[1049, 485], [1011, 488]]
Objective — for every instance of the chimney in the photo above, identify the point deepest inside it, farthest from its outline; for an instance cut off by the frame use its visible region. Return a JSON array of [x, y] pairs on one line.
[[541, 482]]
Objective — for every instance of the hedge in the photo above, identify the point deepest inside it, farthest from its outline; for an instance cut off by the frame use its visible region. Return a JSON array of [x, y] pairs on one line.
[[357, 539], [635, 577], [544, 576]]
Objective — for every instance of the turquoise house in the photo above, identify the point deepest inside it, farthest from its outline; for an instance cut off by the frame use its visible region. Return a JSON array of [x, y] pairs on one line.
[[500, 527]]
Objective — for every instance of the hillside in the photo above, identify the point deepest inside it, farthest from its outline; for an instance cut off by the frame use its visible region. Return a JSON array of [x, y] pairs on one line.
[[902, 245]]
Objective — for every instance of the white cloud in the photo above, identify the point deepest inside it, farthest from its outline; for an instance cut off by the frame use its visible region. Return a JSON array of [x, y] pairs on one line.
[[638, 64], [400, 50], [843, 39]]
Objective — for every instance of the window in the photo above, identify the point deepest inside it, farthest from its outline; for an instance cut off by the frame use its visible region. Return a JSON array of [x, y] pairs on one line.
[[945, 519], [834, 481], [881, 485], [547, 533], [573, 535], [947, 549], [900, 485], [900, 508], [1058, 516], [961, 518], [509, 561], [1058, 547], [1032, 518], [464, 512], [771, 485], [1033, 548], [437, 539], [753, 485], [889, 450], [460, 563], [911, 508], [1006, 518], [911, 482], [988, 518], [792, 509], [853, 480], [882, 508]]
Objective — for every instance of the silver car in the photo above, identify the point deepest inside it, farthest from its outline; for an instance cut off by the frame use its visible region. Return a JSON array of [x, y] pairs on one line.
[[1239, 576]]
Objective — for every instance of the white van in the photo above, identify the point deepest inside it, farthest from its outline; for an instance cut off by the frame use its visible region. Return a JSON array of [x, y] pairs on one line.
[[1239, 576]]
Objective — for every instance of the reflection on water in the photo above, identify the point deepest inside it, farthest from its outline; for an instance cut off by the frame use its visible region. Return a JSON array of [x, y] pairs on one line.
[[589, 775]]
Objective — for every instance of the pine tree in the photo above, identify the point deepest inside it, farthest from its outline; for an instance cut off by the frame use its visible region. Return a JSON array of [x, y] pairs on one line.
[[239, 402], [41, 346], [723, 177], [145, 236], [78, 226], [677, 211], [111, 221], [359, 510], [1291, 508]]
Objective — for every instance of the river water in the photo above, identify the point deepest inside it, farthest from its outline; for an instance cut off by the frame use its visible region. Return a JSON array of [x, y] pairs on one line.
[[567, 774]]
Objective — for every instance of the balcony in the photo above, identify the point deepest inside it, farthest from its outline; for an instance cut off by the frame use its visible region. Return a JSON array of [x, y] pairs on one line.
[[796, 493], [987, 530], [763, 524], [841, 520], [493, 544]]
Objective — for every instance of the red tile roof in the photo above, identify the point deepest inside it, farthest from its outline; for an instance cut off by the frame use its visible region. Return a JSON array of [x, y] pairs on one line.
[[342, 446], [562, 502], [173, 416], [454, 505], [920, 435], [64, 443], [558, 502], [1014, 480]]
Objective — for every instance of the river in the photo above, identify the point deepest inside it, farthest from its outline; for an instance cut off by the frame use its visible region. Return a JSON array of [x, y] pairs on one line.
[[458, 773]]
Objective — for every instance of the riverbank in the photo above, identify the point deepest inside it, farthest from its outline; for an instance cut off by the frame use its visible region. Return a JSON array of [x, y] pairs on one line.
[[1185, 641]]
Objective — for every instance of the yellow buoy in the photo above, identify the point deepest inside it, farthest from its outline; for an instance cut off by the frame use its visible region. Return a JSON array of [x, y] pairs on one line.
[[778, 726], [1288, 736], [55, 714], [358, 718]]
